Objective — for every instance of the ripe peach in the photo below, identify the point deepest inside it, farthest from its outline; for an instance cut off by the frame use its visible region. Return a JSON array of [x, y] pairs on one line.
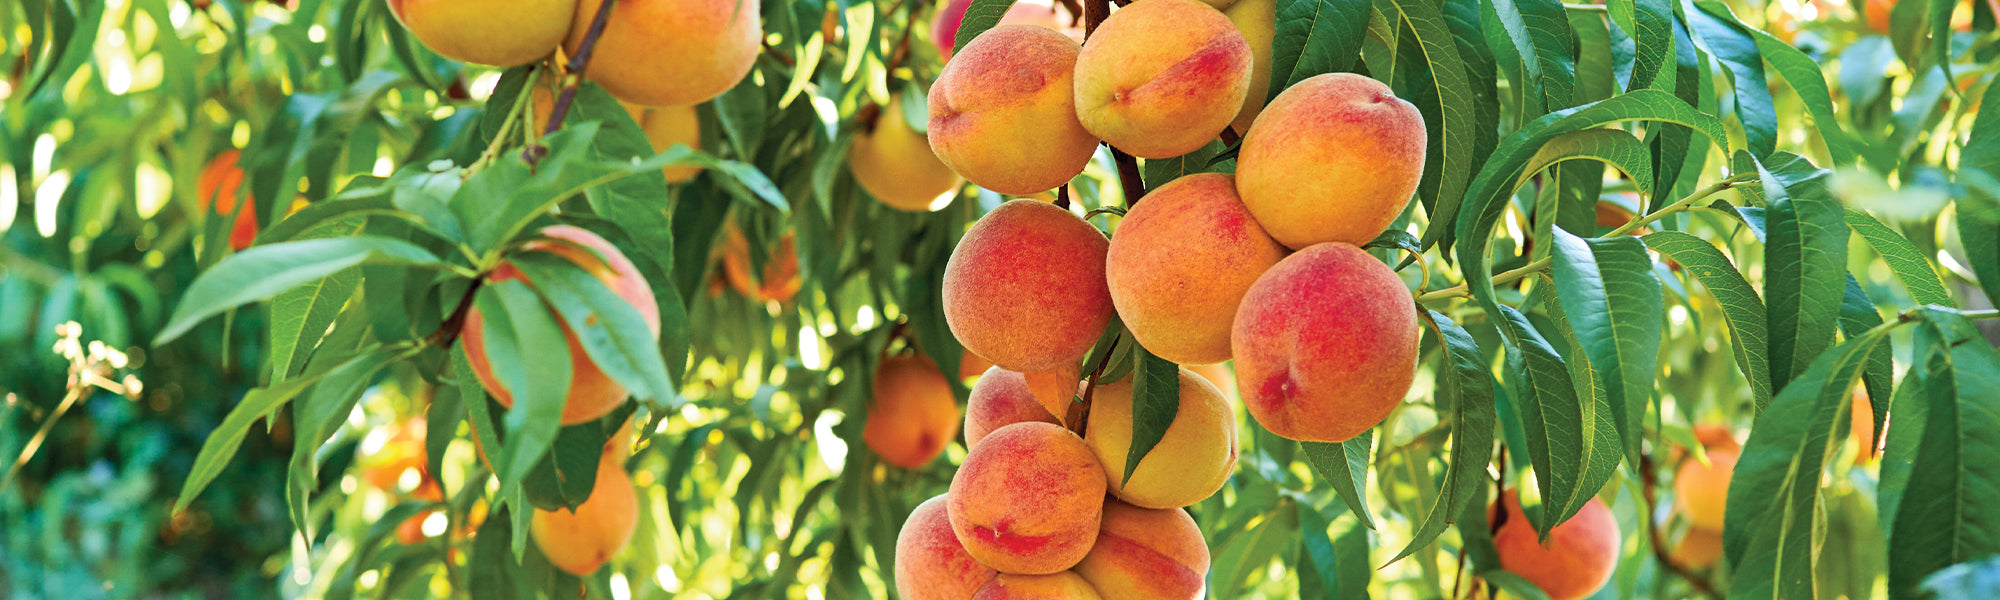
[[913, 415], [1003, 114], [411, 530], [502, 34], [1191, 461], [1027, 499], [581, 540], [670, 52], [1257, 20], [1039, 13], [1220, 376], [1025, 287], [1334, 158], [1698, 548], [218, 186], [1180, 262], [781, 278], [895, 163], [1861, 428], [1579, 556], [1161, 78], [1066, 585], [1702, 492], [1001, 398], [971, 365], [1325, 344], [1146, 554], [668, 126], [930, 563], [592, 394]]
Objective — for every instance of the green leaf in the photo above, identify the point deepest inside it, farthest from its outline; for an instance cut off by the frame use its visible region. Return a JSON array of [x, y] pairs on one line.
[[1156, 398], [1806, 257], [1337, 566], [1651, 25], [1554, 44], [494, 572], [317, 417], [1240, 557], [1448, 154], [1946, 514], [1738, 54], [527, 352], [1903, 258], [1159, 171], [1614, 302], [1313, 37], [1465, 381], [980, 16], [222, 442], [1614, 147], [1344, 465], [1572, 444], [1981, 241], [1741, 307], [260, 272], [565, 477], [610, 329], [1857, 316]]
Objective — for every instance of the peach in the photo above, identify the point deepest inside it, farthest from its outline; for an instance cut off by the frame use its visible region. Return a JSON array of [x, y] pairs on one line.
[[1160, 78], [1146, 554], [1003, 114], [411, 530], [218, 186], [1039, 13], [1325, 344], [1001, 398], [1025, 287], [581, 540], [1059, 586], [1698, 548], [1257, 20], [1861, 429], [1220, 376], [930, 563], [895, 163], [1027, 499], [971, 365], [670, 52], [1578, 558], [781, 278], [1334, 158], [913, 415], [670, 126], [1180, 262], [503, 33], [591, 394], [1191, 461], [1701, 492]]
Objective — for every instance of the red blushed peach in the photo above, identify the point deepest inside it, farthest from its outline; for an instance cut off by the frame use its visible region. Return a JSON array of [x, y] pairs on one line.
[[592, 394], [1025, 287], [1060, 586], [1161, 78], [1003, 114], [914, 415], [1147, 554], [1001, 398], [1180, 262], [1334, 158], [1027, 499], [670, 52], [1578, 559], [1325, 344], [930, 563]]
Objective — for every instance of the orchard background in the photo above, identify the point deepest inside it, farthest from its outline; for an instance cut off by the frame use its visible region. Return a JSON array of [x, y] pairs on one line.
[[1800, 201]]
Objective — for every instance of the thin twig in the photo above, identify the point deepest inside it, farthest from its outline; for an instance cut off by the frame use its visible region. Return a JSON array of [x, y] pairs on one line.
[[448, 331], [1648, 483], [534, 152]]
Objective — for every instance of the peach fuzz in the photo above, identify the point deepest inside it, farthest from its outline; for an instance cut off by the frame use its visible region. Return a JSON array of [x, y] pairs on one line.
[[1334, 158], [502, 33], [1147, 554], [1580, 555], [1027, 499], [895, 163], [1001, 398], [1161, 78], [1180, 262], [913, 415], [591, 394], [930, 563], [1003, 112], [1066, 585], [1701, 492], [581, 540], [1325, 344], [670, 52], [1191, 461], [1025, 287]]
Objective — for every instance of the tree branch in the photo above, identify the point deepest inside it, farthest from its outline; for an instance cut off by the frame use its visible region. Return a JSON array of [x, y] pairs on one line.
[[1649, 483], [534, 152]]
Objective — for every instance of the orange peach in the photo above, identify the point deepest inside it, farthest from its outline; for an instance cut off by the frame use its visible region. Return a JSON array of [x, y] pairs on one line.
[[1325, 344], [670, 52], [1334, 158], [1160, 78], [913, 415], [670, 126], [1027, 499], [1698, 548], [895, 163], [591, 394], [971, 365], [1219, 375], [218, 186], [930, 563], [1003, 114], [1001, 398], [1025, 287], [1147, 554], [1578, 558], [781, 278], [501, 33], [581, 540], [1193, 458], [1180, 262], [1065, 585], [1701, 492]]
